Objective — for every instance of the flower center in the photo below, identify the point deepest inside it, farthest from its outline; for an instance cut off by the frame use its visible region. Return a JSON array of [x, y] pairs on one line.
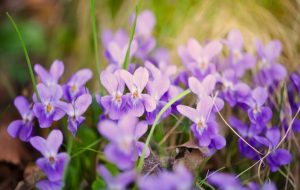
[[73, 88], [51, 160], [135, 94], [201, 124], [49, 108]]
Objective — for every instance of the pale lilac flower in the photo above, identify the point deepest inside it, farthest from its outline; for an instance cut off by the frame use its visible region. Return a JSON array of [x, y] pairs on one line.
[[180, 178], [119, 182], [50, 107], [22, 128], [269, 69], [115, 102], [124, 148], [234, 91], [53, 163], [75, 111], [205, 88], [118, 53], [76, 84], [138, 101], [51, 77], [239, 61], [199, 58], [157, 87], [258, 112], [204, 127]]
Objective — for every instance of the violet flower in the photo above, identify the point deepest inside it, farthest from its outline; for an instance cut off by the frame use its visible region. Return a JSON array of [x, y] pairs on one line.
[[115, 102], [180, 178], [75, 85], [205, 88], [277, 157], [22, 128], [51, 77], [204, 127], [198, 58], [53, 163], [239, 61], [270, 70], [119, 182], [157, 87], [124, 148], [234, 91], [50, 108], [75, 111], [258, 113], [137, 101]]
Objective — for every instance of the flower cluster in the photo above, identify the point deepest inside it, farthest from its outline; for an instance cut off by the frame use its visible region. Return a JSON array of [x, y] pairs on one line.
[[53, 102], [221, 75]]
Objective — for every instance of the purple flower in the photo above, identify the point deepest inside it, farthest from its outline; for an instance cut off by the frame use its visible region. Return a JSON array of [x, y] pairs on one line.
[[119, 182], [180, 178], [198, 58], [115, 102], [145, 24], [117, 52], [49, 185], [53, 163], [205, 128], [23, 127], [137, 101], [205, 88], [225, 181], [124, 148], [75, 111], [258, 113], [75, 85], [239, 61], [278, 157], [234, 91], [270, 70], [51, 77], [50, 108], [156, 89]]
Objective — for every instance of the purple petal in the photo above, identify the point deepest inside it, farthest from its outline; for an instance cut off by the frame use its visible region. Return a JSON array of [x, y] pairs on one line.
[[141, 77], [137, 109], [205, 106], [140, 129], [43, 74], [188, 112], [212, 49], [57, 69], [22, 105], [14, 128], [128, 79], [235, 40], [122, 161], [54, 140], [108, 129], [194, 49], [81, 77], [260, 95], [140, 146], [82, 103], [105, 173], [109, 81], [279, 72], [40, 144], [149, 102]]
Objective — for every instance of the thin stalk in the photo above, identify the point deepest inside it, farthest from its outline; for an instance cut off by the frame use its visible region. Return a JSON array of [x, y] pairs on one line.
[[162, 111], [95, 39], [26, 55], [127, 56]]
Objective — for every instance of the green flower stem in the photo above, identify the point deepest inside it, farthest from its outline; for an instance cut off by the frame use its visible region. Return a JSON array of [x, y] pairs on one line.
[[162, 111], [26, 55]]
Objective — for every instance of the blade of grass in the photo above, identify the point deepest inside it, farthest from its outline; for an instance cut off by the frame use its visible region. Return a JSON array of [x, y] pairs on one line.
[[26, 55], [95, 39], [162, 111], [127, 60], [86, 148]]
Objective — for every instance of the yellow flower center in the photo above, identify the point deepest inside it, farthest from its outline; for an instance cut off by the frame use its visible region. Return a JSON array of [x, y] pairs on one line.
[[49, 108]]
